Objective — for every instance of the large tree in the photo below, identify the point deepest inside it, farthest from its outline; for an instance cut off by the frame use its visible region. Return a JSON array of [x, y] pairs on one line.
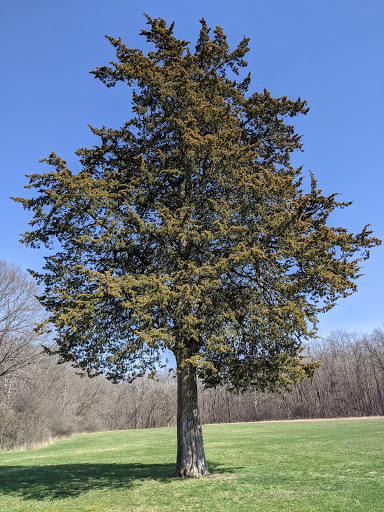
[[188, 229]]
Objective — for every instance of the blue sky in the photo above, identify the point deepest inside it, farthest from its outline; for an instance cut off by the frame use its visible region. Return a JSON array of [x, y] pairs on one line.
[[328, 52]]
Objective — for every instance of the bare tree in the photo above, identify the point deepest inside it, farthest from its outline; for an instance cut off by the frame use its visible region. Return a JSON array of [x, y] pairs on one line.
[[19, 312]]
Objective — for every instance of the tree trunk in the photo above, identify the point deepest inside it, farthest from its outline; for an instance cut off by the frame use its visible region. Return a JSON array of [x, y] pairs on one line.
[[190, 448]]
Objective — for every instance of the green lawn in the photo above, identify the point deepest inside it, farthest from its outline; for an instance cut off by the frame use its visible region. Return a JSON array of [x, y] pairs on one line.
[[276, 466]]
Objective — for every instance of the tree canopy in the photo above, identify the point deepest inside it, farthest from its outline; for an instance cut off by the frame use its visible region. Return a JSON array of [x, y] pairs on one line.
[[188, 228]]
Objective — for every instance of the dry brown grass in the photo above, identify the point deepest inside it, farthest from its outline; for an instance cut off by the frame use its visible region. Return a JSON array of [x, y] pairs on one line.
[[35, 446]]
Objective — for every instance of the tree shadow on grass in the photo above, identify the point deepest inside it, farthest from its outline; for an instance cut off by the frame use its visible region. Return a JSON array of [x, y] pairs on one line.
[[61, 481]]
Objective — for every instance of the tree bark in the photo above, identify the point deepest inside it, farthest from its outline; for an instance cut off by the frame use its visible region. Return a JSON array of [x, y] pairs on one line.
[[191, 460]]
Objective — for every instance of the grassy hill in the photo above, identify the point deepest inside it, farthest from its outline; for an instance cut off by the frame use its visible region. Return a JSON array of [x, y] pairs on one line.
[[335, 465]]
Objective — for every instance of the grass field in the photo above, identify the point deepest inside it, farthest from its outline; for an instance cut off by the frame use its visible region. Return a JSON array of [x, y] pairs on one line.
[[275, 466]]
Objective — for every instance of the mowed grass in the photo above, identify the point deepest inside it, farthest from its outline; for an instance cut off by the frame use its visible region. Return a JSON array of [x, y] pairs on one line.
[[335, 465]]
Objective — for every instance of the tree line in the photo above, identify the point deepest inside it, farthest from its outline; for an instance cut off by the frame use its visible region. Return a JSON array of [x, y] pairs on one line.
[[41, 400]]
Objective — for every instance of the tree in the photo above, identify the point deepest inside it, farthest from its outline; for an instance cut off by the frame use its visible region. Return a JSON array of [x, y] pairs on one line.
[[19, 313], [188, 229]]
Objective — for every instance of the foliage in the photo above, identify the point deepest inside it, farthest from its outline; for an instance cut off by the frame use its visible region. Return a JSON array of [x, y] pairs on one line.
[[188, 229]]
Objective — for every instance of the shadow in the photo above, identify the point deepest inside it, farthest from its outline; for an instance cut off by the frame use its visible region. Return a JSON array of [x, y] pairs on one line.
[[61, 481], [71, 480]]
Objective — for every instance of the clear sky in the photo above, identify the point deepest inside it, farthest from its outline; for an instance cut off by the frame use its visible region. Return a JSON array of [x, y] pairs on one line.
[[329, 52]]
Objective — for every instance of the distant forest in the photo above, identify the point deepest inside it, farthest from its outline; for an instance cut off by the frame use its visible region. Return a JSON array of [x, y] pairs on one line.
[[42, 400]]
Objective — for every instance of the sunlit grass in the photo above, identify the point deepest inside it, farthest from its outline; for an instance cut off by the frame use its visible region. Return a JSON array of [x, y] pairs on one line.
[[277, 466]]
